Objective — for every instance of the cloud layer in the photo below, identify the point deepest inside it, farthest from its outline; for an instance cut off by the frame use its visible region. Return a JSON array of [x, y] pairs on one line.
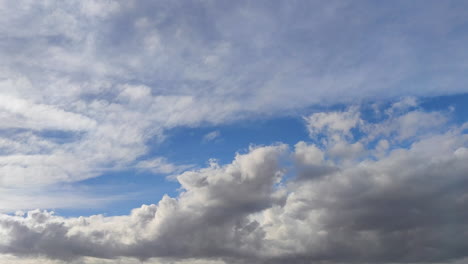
[[84, 85], [388, 202]]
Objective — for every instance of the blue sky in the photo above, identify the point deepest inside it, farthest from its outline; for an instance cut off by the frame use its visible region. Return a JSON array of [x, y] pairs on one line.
[[188, 145], [233, 131]]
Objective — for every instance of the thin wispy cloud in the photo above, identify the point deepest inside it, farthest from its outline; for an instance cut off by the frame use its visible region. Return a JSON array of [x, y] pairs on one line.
[[213, 135], [160, 165]]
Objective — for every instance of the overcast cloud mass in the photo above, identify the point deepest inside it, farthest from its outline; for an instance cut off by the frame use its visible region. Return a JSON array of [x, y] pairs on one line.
[[89, 87]]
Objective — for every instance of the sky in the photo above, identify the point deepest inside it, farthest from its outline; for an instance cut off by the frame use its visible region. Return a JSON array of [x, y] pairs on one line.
[[224, 132]]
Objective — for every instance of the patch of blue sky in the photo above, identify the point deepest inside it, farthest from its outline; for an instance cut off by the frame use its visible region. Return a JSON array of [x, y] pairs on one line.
[[458, 104], [186, 145], [131, 188], [60, 136]]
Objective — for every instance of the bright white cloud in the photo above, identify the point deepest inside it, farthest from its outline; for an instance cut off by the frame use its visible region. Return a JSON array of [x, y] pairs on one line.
[[18, 113]]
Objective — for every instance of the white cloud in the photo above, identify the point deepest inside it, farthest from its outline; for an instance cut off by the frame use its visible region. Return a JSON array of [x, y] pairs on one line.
[[211, 136], [333, 131], [408, 125], [390, 207], [113, 75], [402, 105], [220, 195], [19, 113], [333, 122], [160, 165], [59, 197], [308, 154]]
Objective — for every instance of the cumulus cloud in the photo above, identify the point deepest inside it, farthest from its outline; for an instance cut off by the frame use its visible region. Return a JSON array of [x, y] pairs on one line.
[[333, 122], [334, 129], [209, 216], [396, 204]]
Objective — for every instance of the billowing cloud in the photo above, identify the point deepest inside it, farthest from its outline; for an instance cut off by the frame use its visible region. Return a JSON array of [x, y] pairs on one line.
[[395, 203], [209, 216]]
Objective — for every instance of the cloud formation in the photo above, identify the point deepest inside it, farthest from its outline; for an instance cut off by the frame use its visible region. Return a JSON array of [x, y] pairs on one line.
[[392, 203], [84, 85]]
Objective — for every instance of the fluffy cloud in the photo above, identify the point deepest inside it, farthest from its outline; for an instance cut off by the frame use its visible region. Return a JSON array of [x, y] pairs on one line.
[[333, 122], [209, 216], [395, 204]]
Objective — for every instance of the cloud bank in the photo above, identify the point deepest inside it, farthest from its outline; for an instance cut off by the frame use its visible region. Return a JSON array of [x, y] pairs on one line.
[[387, 202]]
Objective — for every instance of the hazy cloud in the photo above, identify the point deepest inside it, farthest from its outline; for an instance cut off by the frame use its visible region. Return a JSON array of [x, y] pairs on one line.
[[160, 165], [211, 136]]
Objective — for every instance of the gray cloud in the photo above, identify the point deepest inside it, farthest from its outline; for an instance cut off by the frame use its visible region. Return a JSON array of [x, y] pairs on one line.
[[393, 205], [209, 217]]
